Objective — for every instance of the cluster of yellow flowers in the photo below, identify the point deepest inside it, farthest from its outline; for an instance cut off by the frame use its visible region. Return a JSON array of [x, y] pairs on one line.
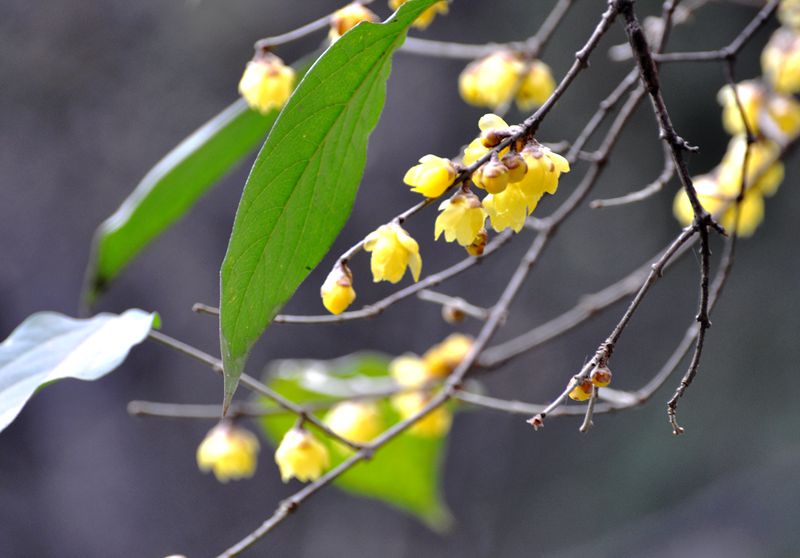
[[504, 75], [773, 115], [515, 179], [599, 377]]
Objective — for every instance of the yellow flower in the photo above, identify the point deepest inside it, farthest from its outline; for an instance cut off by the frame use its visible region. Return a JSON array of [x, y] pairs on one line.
[[433, 425], [392, 251], [230, 452], [537, 86], [426, 17], [582, 391], [491, 176], [476, 149], [337, 291], [762, 162], [344, 19], [409, 371], [266, 83], [301, 455], [722, 206], [780, 61], [461, 219], [544, 170], [432, 177], [441, 359], [356, 421], [508, 209], [784, 111], [751, 95], [492, 80], [789, 13]]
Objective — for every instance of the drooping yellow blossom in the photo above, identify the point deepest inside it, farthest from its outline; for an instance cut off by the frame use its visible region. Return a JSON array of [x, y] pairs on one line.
[[492, 80], [508, 209], [301, 455], [433, 425], [544, 170], [409, 371], [721, 205], [789, 13], [780, 61], [337, 291], [229, 451], [426, 17], [582, 391], [392, 251], [266, 83], [762, 164], [344, 19], [537, 86], [432, 177], [783, 111], [357, 421], [600, 376], [461, 219], [441, 359]]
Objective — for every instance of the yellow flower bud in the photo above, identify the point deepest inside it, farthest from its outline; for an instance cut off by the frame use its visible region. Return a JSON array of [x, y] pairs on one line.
[[409, 371], [337, 291], [780, 61], [601, 376], [537, 86], [356, 421], [266, 83], [426, 17], [508, 209], [491, 176], [461, 219], [441, 359], [582, 391], [344, 19], [433, 425], [392, 251], [479, 244], [229, 451], [301, 455], [516, 165], [432, 177], [492, 80]]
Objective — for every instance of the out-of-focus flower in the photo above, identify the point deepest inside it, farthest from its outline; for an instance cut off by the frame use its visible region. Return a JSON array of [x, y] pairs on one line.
[[357, 421], [433, 425], [444, 357], [392, 251], [229, 451], [426, 17], [537, 86], [344, 19], [780, 61], [301, 455], [491, 81]]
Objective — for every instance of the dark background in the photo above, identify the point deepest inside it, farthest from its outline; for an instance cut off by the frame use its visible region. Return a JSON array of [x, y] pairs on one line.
[[93, 93]]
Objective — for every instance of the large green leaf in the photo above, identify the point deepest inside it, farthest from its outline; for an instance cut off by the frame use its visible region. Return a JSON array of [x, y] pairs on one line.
[[304, 181], [48, 346], [174, 185], [405, 473]]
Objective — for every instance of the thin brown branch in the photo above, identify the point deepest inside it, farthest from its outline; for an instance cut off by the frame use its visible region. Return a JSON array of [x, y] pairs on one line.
[[667, 172]]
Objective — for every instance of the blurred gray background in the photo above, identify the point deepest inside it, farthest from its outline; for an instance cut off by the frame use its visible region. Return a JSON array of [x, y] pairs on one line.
[[93, 93]]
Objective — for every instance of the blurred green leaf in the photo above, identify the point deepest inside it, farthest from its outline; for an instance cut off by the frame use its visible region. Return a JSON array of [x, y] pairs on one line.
[[48, 346], [405, 473], [302, 186], [170, 189]]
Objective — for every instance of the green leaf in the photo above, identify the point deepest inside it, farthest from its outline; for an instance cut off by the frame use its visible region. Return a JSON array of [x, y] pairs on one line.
[[405, 473], [48, 346], [170, 189], [304, 181]]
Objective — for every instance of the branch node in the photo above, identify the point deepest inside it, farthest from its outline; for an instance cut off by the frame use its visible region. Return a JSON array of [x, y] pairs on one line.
[[537, 421]]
